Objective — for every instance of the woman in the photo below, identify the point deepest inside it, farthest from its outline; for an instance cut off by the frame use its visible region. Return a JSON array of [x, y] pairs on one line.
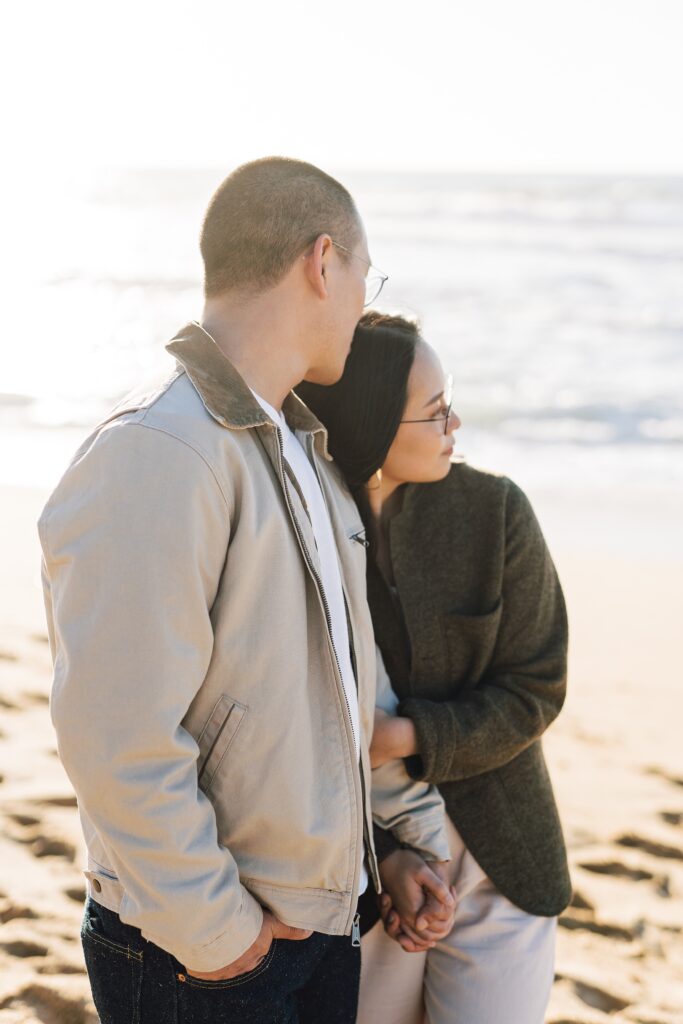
[[470, 618]]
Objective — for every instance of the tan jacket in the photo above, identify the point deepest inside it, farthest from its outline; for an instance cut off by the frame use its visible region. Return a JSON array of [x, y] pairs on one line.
[[197, 698]]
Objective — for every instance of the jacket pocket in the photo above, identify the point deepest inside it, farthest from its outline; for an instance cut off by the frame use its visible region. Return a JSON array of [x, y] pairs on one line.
[[470, 642], [216, 737]]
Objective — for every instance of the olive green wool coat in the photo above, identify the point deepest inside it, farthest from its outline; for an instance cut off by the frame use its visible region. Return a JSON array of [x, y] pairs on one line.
[[478, 660]]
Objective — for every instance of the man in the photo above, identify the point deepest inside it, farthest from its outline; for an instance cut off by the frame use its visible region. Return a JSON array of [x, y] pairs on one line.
[[215, 666]]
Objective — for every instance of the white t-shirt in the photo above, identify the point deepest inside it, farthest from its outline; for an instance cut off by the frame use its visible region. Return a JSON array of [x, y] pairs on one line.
[[329, 562]]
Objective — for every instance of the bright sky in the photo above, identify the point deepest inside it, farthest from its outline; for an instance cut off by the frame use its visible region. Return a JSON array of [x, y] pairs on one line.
[[481, 85]]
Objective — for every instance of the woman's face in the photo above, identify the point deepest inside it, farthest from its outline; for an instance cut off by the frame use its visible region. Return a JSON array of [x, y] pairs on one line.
[[420, 452]]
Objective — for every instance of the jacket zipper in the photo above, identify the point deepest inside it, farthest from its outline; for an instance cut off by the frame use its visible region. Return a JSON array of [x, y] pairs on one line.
[[328, 620], [373, 872]]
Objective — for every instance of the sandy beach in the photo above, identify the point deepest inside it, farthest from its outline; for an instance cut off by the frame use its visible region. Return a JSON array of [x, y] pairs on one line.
[[614, 753]]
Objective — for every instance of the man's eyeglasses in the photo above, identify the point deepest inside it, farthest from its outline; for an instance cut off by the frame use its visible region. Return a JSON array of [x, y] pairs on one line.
[[374, 282], [443, 415]]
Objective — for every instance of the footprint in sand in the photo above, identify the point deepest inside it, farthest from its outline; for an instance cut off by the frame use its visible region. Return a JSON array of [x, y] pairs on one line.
[[24, 819], [13, 911], [46, 1003], [56, 967], [56, 801], [45, 846], [29, 830], [675, 780], [663, 886], [598, 998], [617, 870], [591, 995], [635, 842], [611, 931], [672, 817], [37, 696], [76, 893], [24, 948], [579, 901]]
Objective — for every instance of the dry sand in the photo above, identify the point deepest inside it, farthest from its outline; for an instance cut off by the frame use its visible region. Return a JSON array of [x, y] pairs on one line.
[[615, 755]]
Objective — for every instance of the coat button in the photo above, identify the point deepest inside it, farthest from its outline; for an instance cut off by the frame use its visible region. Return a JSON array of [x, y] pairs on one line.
[[97, 885]]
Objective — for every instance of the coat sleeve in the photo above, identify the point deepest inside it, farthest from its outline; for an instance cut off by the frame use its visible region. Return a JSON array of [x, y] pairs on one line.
[[523, 688], [404, 811], [134, 543]]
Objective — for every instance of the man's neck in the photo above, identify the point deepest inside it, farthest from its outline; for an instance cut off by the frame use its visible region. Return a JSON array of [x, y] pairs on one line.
[[267, 355]]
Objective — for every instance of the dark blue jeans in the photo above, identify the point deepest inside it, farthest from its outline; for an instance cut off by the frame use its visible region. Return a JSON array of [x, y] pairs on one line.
[[312, 981]]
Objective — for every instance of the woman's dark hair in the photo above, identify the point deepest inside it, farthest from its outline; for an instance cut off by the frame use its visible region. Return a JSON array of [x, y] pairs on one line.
[[363, 409]]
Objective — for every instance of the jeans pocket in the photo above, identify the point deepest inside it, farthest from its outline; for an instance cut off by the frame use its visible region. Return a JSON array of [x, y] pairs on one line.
[[187, 979], [260, 996], [114, 967]]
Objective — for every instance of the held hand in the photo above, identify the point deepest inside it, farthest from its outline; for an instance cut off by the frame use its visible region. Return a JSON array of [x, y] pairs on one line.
[[434, 919], [418, 896], [270, 929], [416, 890], [394, 928], [411, 940], [391, 738]]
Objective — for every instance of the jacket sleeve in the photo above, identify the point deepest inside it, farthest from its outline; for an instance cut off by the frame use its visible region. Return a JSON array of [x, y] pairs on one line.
[[413, 813], [134, 542], [523, 688]]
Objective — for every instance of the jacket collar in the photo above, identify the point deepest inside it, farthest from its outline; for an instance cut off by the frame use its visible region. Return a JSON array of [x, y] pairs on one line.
[[225, 394]]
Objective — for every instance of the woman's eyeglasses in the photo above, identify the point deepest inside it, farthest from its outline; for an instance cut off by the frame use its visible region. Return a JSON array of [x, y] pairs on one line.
[[443, 415], [374, 282]]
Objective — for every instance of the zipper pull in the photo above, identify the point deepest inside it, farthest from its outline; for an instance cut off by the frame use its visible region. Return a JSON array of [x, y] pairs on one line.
[[355, 931]]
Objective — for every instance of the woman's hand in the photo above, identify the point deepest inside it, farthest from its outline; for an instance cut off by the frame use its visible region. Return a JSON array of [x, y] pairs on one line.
[[418, 905], [391, 738]]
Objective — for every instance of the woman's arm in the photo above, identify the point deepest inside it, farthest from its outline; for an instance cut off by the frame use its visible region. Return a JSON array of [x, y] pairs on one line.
[[524, 686], [413, 812]]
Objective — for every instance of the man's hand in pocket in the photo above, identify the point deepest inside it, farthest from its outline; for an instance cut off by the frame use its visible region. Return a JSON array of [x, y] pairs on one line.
[[249, 961]]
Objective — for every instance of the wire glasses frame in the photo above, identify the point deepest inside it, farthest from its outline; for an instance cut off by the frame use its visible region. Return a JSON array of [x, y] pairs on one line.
[[375, 280], [445, 416]]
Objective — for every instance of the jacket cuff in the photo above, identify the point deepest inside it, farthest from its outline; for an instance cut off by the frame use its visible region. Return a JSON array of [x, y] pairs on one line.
[[435, 742], [430, 840], [243, 930], [385, 843]]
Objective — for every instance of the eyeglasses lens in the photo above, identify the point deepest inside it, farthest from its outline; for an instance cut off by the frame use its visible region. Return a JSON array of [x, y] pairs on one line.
[[373, 286], [448, 396]]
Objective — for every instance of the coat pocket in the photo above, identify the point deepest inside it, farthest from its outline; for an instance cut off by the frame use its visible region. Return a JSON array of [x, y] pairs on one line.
[[217, 736], [470, 642]]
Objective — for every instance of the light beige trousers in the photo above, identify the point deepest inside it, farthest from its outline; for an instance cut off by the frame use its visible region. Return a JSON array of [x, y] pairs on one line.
[[495, 967]]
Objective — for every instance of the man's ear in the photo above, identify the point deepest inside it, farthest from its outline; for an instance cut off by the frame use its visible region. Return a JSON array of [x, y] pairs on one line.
[[314, 263]]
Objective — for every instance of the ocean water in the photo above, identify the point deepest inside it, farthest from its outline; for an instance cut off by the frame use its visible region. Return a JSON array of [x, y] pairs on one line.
[[556, 302]]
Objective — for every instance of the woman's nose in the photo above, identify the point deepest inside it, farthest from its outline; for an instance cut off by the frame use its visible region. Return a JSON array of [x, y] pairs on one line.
[[454, 422]]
